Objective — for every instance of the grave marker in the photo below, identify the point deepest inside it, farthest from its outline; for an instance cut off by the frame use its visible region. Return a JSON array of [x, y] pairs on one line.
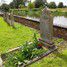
[[46, 25], [12, 19], [9, 18]]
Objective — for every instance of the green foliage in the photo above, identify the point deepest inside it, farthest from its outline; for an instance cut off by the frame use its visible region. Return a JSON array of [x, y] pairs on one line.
[[36, 12], [56, 59], [16, 3], [52, 5], [59, 13], [38, 3], [31, 5], [21, 6], [4, 7], [27, 52], [11, 61], [60, 5]]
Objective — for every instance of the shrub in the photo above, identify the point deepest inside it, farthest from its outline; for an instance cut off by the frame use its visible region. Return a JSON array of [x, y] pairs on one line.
[[31, 5]]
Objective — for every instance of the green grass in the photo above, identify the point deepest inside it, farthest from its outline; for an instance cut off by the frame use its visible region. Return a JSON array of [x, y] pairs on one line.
[[11, 38], [55, 59], [60, 9], [58, 61]]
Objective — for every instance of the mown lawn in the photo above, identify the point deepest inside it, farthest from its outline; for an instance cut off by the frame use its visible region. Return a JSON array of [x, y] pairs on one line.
[[11, 38]]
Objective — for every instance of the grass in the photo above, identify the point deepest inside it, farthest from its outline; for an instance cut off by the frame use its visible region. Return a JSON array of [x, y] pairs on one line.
[[11, 38], [60, 9], [56, 59]]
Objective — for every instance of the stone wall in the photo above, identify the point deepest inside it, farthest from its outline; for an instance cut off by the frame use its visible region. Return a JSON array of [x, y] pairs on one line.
[[60, 32], [57, 31], [27, 22]]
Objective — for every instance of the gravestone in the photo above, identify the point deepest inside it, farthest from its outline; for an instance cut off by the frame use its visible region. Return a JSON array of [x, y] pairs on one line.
[[46, 25], [12, 19], [7, 20], [4, 16]]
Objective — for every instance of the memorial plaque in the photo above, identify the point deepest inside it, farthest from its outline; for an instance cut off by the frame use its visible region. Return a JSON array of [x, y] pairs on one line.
[[46, 25]]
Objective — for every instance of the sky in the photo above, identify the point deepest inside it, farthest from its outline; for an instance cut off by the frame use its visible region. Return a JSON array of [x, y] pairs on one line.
[[56, 1]]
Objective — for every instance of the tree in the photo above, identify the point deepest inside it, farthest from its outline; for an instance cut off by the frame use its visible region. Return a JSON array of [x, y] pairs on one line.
[[60, 5], [52, 5], [4, 7], [16, 3], [39, 3], [11, 5]]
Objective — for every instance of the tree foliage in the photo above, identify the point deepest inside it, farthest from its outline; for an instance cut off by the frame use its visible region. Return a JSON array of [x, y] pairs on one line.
[[31, 5], [60, 5], [39, 3], [4, 7], [16, 3], [52, 5]]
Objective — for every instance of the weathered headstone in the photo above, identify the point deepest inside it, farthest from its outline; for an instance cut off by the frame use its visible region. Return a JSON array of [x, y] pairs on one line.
[[12, 19], [4, 16], [46, 25], [8, 20]]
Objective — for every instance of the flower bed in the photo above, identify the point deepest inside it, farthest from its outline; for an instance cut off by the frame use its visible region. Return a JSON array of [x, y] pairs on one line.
[[25, 53]]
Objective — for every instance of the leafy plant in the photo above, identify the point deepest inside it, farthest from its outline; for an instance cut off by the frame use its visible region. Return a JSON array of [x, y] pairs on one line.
[[31, 5], [27, 52]]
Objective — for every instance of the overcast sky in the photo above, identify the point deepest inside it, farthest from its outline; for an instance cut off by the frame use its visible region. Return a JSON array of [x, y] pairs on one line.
[[57, 1]]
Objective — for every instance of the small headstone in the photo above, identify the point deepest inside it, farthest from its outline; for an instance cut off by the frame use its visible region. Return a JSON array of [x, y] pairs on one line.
[[12, 19], [4, 16], [8, 20], [46, 25]]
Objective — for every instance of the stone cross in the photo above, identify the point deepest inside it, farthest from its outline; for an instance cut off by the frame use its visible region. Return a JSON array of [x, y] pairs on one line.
[[46, 25]]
